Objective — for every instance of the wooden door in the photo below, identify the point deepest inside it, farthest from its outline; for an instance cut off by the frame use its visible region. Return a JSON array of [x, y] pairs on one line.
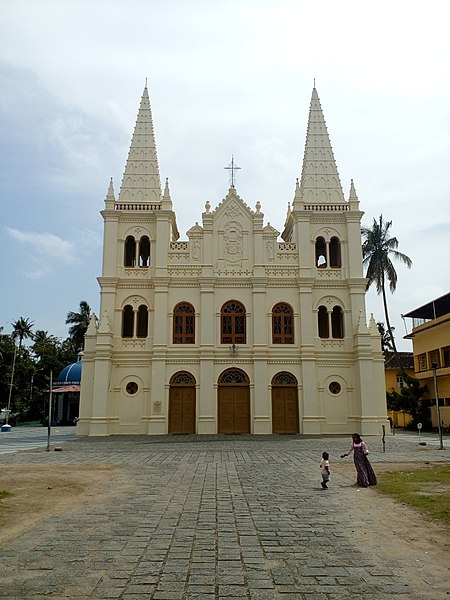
[[181, 406], [285, 417], [234, 409]]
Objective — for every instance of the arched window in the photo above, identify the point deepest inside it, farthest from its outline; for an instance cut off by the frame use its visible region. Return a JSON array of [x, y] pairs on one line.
[[335, 252], [337, 323], [232, 319], [321, 253], [130, 252], [184, 324], [282, 324], [142, 321], [324, 328], [283, 378], [127, 321], [144, 251]]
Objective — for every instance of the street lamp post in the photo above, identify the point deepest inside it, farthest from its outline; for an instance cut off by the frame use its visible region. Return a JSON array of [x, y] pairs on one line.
[[49, 425], [11, 383], [438, 413]]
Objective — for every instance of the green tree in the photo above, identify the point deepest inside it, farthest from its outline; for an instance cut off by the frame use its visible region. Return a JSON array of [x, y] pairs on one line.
[[79, 322], [411, 400], [22, 329], [7, 346], [378, 248]]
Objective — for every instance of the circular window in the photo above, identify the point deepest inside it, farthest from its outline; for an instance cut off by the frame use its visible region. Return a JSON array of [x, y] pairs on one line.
[[132, 387], [334, 387]]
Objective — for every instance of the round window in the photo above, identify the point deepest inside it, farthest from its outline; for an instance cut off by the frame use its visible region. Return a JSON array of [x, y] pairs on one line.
[[132, 387], [334, 387]]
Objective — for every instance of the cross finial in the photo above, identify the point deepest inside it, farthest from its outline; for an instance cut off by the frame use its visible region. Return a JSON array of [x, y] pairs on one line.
[[232, 167]]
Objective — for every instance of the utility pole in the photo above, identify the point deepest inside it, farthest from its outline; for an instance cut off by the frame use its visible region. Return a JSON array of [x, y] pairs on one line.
[[438, 412]]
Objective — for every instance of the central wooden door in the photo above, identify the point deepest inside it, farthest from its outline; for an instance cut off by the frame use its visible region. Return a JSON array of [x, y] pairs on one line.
[[285, 417], [233, 402], [182, 404]]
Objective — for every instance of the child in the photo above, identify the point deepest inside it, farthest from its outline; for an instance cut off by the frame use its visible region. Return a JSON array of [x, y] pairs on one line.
[[325, 466]]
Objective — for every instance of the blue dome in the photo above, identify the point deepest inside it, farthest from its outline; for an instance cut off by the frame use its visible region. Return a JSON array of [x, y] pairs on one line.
[[70, 374]]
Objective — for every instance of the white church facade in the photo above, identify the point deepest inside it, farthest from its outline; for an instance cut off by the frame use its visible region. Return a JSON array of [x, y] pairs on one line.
[[241, 328]]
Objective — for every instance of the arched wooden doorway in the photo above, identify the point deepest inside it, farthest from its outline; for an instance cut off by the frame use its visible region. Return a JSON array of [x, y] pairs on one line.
[[182, 403], [233, 402], [284, 404]]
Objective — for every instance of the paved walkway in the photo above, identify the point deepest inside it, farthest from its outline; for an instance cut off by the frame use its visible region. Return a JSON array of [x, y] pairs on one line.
[[217, 517]]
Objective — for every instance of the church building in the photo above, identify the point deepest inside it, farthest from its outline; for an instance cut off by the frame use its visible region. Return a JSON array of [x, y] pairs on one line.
[[240, 328]]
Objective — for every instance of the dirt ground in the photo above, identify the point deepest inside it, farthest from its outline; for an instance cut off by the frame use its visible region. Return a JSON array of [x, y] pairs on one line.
[[38, 491]]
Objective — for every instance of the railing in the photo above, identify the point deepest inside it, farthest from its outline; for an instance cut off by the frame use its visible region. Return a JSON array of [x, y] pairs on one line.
[[136, 206], [327, 207], [183, 246]]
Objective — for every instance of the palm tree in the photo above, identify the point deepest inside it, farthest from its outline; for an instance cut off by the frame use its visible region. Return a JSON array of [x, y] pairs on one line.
[[79, 321], [378, 248], [22, 329]]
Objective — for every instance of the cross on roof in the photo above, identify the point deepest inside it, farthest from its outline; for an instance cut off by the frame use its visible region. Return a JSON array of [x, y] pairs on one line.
[[232, 168]]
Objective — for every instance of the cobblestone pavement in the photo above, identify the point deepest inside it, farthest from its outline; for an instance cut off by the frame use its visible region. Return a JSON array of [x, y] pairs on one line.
[[218, 517]]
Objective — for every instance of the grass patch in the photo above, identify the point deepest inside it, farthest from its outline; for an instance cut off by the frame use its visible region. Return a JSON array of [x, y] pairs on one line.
[[4, 494], [427, 490]]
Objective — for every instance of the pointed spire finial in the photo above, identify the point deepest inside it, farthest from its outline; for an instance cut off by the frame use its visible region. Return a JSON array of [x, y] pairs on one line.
[[166, 189], [314, 84], [353, 197], [110, 193], [146, 82]]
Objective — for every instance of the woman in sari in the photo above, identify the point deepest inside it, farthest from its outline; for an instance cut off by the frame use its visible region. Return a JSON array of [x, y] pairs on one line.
[[365, 474]]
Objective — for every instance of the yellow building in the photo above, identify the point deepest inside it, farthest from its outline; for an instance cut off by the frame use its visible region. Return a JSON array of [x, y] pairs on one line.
[[430, 336]]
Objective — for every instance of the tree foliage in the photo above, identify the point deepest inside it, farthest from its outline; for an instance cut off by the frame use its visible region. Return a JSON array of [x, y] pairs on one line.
[[378, 248], [411, 400], [22, 329], [33, 364], [79, 322]]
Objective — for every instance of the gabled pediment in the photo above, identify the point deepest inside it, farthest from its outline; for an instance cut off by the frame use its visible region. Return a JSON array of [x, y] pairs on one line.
[[232, 207], [195, 230], [270, 231]]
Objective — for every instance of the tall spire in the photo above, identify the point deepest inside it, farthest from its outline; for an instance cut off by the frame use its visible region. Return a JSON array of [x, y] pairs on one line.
[[319, 183], [141, 181]]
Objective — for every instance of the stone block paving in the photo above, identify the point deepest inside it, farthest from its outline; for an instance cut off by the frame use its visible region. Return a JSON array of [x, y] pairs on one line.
[[215, 517]]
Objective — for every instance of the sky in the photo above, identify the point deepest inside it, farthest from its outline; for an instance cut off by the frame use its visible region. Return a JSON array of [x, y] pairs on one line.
[[225, 78]]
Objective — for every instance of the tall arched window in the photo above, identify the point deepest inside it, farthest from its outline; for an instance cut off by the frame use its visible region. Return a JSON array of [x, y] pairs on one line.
[[232, 318], [335, 252], [144, 251], [184, 324], [321, 253], [130, 252], [282, 324], [127, 321], [142, 321], [324, 328], [337, 323]]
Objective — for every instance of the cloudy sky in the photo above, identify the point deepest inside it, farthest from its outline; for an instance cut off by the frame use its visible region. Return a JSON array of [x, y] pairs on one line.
[[224, 78]]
